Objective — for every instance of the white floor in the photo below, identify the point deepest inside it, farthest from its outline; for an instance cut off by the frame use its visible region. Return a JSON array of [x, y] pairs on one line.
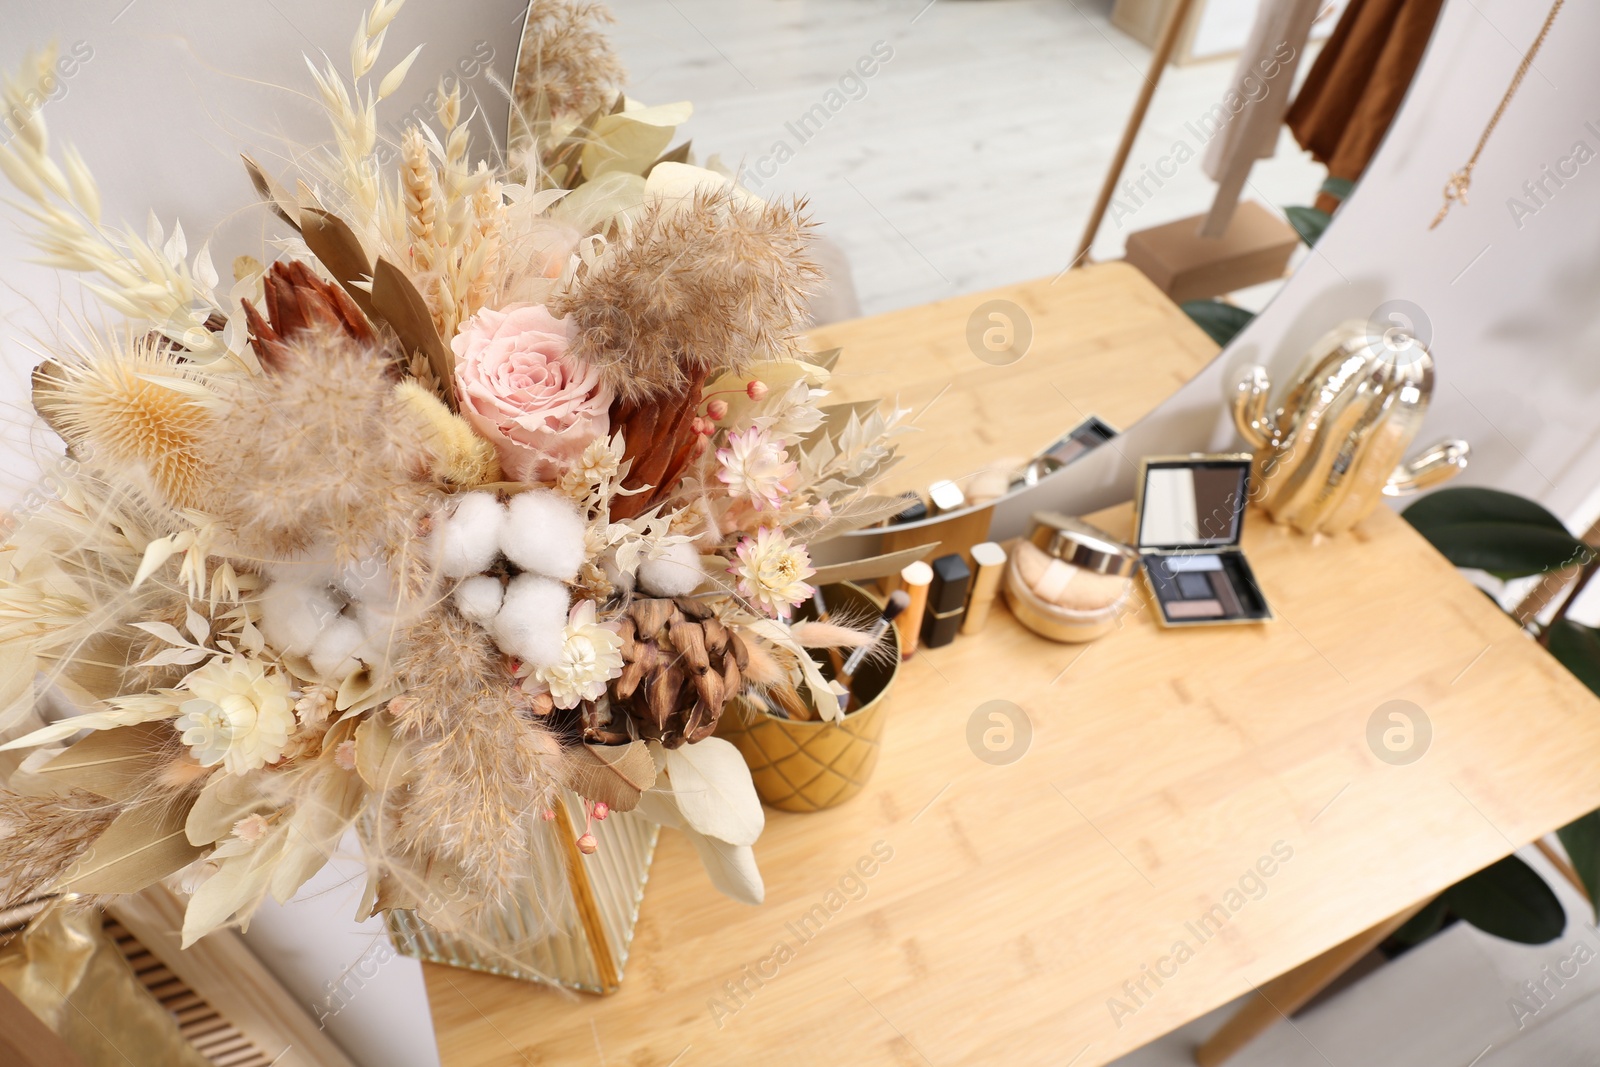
[[975, 153], [970, 161]]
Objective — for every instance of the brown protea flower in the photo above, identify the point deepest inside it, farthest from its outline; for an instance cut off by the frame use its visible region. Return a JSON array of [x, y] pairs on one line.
[[298, 301], [680, 666]]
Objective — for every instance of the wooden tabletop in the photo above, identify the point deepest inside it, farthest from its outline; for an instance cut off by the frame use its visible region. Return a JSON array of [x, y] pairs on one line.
[[1166, 771], [1105, 341]]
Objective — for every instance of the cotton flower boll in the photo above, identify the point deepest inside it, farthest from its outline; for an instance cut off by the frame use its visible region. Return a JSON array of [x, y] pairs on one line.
[[469, 539], [621, 579], [313, 567], [531, 619], [367, 581], [335, 653], [544, 534], [479, 598], [293, 615], [676, 573]]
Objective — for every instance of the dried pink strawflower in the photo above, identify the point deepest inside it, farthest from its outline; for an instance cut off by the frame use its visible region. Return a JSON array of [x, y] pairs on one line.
[[755, 467], [538, 408]]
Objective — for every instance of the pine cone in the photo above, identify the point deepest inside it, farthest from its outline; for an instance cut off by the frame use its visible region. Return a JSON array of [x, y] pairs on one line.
[[298, 300], [680, 667]]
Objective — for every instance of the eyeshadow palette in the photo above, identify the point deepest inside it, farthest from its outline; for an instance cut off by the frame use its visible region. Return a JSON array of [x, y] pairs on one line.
[[1189, 515]]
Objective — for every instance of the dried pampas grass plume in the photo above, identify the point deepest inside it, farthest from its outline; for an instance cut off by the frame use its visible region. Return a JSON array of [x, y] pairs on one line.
[[138, 409], [40, 837], [690, 286], [567, 59], [444, 660], [321, 455], [477, 785]]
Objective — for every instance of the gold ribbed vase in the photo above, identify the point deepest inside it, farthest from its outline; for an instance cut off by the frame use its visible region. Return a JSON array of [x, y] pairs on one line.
[[809, 766], [578, 939]]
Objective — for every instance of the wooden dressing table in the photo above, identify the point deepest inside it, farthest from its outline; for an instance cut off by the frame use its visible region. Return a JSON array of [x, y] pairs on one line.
[[1209, 788]]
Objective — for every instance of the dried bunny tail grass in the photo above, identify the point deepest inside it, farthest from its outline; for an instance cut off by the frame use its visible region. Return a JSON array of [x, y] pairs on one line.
[[690, 286], [40, 837], [567, 59], [477, 785], [465, 458], [138, 409], [321, 454], [445, 658]]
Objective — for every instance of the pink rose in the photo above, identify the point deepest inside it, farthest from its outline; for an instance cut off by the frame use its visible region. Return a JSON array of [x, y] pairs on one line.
[[518, 389]]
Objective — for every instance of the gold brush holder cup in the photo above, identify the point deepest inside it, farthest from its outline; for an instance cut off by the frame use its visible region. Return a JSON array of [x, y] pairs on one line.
[[809, 766]]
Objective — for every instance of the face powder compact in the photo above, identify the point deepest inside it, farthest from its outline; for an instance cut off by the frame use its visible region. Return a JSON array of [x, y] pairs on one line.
[[1067, 580], [1189, 515]]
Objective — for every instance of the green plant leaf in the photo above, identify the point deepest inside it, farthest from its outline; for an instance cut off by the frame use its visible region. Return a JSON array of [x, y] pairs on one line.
[[1577, 647], [1308, 222], [1221, 322], [1447, 507], [1581, 839], [1340, 188], [1506, 549], [1508, 899], [1424, 924]]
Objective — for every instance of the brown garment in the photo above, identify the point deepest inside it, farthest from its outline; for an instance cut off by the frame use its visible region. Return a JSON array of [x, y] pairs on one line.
[[1354, 89]]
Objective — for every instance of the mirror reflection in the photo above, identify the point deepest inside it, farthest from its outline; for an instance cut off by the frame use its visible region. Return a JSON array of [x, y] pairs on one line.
[[1113, 183]]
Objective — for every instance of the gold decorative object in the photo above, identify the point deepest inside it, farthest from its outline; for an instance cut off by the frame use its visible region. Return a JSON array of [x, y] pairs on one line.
[[70, 974], [812, 765], [1336, 443], [580, 941]]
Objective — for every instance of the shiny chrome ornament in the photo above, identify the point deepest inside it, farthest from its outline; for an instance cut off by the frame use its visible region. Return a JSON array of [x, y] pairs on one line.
[[1336, 444]]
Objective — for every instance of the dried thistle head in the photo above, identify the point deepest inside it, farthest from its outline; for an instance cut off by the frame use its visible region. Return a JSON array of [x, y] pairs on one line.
[[136, 407], [689, 286], [321, 456], [567, 59]]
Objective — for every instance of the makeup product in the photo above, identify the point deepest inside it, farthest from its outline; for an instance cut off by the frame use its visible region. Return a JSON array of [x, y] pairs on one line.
[[819, 604], [1088, 435], [893, 608], [1189, 518], [946, 496], [988, 564], [1068, 580], [914, 511], [947, 600], [915, 580]]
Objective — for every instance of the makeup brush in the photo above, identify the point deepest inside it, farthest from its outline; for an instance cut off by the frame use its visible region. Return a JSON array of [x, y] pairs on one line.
[[899, 600], [821, 607]]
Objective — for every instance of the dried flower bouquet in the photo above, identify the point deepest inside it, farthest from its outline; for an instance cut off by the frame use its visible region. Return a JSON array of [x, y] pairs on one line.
[[496, 481]]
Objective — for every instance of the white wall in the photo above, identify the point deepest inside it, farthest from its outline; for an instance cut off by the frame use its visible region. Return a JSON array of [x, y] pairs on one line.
[[1513, 305], [172, 92]]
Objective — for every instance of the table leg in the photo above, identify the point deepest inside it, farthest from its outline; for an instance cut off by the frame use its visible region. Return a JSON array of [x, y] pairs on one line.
[[1289, 992], [1562, 865]]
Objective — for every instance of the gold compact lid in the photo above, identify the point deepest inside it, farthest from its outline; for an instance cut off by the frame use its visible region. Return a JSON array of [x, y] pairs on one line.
[[1076, 542]]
